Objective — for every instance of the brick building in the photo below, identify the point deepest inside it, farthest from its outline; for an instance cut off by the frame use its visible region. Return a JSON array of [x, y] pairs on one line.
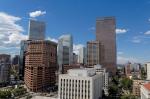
[[94, 53], [40, 65]]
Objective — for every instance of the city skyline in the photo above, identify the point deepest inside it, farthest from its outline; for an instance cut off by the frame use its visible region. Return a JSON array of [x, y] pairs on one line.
[[78, 18]]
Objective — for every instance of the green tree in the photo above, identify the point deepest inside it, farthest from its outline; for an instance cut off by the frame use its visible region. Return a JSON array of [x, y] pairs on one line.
[[143, 73], [126, 83], [128, 97], [19, 91], [113, 90], [5, 94], [28, 97], [115, 80]]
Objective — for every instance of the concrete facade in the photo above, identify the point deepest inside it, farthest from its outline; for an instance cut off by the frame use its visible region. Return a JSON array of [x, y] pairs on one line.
[[72, 66], [105, 79], [136, 87], [80, 84]]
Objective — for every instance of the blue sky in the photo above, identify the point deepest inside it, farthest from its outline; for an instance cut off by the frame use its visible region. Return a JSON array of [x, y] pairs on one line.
[[77, 17]]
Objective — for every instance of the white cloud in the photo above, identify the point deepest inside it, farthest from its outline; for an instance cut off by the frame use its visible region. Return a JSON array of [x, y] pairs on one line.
[[10, 32], [149, 19], [118, 31], [147, 33], [37, 13], [137, 39], [76, 47], [52, 39], [141, 38], [92, 28], [124, 60], [121, 31], [119, 53]]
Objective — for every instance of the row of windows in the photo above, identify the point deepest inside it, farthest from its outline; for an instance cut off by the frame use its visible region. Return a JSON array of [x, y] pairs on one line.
[[69, 88]]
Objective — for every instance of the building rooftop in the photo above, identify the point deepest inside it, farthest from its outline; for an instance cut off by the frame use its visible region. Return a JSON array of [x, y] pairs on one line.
[[83, 72], [98, 66], [65, 36], [147, 86], [105, 18]]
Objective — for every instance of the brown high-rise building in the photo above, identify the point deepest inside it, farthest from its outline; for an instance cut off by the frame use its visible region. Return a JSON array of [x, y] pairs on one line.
[[95, 54], [40, 65], [128, 70], [106, 34]]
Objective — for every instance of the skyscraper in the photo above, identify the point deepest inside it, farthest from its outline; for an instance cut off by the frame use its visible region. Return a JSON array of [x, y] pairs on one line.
[[40, 65], [128, 69], [65, 50], [15, 64], [36, 30], [15, 60], [82, 56], [4, 68], [75, 58], [23, 49], [95, 53], [105, 33]]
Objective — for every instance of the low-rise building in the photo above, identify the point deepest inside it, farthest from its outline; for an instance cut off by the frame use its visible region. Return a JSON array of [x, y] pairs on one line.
[[136, 87], [105, 82], [80, 84], [145, 91]]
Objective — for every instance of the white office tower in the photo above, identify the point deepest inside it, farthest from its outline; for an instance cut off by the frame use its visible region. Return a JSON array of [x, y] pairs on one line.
[[82, 56], [65, 51], [99, 69], [148, 70], [80, 84]]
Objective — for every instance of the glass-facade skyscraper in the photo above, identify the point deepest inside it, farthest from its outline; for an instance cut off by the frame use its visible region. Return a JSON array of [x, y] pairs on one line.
[[65, 51], [82, 56], [36, 30], [23, 49]]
